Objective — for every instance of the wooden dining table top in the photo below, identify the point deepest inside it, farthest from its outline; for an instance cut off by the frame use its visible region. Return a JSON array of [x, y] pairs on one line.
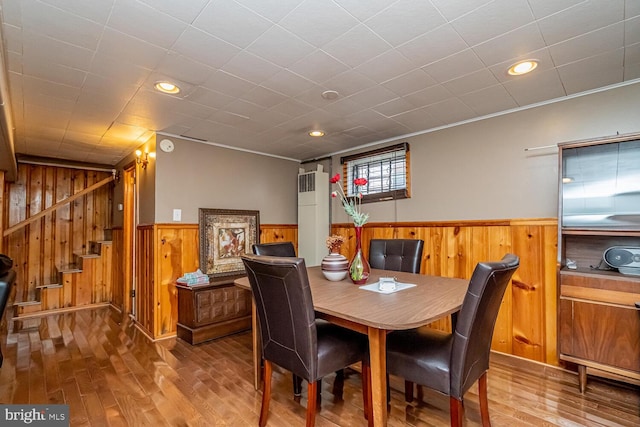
[[432, 298]]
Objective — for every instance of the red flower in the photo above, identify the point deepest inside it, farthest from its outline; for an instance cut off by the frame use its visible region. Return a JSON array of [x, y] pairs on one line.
[[360, 181], [335, 178]]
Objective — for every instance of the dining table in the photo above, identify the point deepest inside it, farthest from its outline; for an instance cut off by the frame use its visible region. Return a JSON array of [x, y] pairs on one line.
[[375, 314]]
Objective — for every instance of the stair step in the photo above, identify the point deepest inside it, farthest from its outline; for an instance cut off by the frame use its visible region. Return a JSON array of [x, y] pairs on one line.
[[69, 269], [49, 286]]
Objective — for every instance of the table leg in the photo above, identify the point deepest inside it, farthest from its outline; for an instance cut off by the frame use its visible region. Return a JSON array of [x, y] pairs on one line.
[[255, 339], [378, 360]]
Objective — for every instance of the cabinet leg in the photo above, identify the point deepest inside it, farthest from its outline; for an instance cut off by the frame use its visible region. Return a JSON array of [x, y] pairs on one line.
[[582, 378]]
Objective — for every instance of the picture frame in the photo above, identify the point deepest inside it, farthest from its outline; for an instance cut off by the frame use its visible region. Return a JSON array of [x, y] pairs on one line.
[[226, 234]]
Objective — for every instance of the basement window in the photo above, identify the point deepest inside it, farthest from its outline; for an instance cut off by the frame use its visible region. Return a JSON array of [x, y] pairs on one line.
[[386, 170]]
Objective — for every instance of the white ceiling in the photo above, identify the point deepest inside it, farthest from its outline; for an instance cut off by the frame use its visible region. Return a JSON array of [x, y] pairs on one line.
[[80, 72]]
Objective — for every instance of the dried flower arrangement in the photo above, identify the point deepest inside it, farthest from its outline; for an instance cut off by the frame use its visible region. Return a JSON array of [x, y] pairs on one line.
[[334, 242]]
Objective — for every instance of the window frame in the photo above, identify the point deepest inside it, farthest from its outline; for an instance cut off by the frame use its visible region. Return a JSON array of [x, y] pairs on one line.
[[403, 193]]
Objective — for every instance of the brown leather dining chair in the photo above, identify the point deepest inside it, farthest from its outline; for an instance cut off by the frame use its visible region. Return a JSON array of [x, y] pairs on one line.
[[290, 335], [396, 254], [452, 362], [281, 249]]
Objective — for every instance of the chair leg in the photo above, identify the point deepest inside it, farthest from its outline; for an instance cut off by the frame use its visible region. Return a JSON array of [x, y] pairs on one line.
[[367, 404], [457, 412], [312, 396], [484, 402], [408, 391], [266, 394], [297, 385]]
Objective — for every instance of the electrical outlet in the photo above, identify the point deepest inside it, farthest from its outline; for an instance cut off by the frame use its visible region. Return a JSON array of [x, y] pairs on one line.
[[177, 214]]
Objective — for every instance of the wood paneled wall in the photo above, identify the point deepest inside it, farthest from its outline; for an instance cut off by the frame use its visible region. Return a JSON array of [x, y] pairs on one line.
[[44, 247], [526, 325]]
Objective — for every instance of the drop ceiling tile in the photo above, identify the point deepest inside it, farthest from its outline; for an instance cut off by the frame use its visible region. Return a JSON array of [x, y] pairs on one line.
[[47, 50], [54, 73], [280, 47], [594, 72], [34, 87], [356, 46], [250, 67], [385, 67], [228, 84], [13, 38], [542, 8], [111, 68], [292, 108], [318, 21], [450, 111], [348, 83], [587, 45], [632, 55], [264, 97], [221, 18], [185, 69], [632, 71], [318, 67], [130, 49], [454, 66], [413, 81], [210, 98], [59, 24], [492, 20], [48, 117], [471, 82], [632, 31], [428, 96], [217, 53], [394, 107], [363, 10], [313, 97], [12, 13], [516, 43], [489, 100], [535, 87], [452, 10], [242, 108], [146, 23], [433, 46], [288, 83], [343, 106], [186, 11], [373, 96], [579, 19], [228, 118], [417, 120], [405, 20], [273, 10]]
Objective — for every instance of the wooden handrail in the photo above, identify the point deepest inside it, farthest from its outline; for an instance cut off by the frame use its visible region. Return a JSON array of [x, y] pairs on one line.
[[52, 208]]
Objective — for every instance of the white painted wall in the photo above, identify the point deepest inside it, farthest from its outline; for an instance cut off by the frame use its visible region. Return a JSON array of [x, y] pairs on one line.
[[481, 170]]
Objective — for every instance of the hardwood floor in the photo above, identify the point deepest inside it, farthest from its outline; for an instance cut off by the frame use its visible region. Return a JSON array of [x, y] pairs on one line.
[[110, 374]]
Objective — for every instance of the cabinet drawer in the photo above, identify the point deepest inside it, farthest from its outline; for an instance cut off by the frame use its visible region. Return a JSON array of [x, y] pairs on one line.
[[603, 289]]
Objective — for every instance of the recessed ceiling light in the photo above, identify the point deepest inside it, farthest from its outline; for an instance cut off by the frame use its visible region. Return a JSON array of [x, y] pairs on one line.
[[330, 94], [316, 133], [567, 180], [167, 87], [523, 67]]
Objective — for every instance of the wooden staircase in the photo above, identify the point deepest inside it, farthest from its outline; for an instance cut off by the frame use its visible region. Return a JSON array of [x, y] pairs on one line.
[[86, 282]]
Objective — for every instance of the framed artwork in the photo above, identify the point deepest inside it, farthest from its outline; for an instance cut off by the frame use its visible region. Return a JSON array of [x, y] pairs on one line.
[[226, 234]]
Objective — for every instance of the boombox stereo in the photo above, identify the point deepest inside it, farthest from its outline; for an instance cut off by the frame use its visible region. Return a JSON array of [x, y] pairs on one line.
[[625, 259]]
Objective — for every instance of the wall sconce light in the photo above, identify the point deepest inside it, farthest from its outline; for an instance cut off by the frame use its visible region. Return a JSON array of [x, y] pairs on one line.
[[143, 158]]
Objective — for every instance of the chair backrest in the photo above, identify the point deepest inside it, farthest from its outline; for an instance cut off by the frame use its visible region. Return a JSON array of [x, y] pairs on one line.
[[6, 281], [275, 249], [476, 320], [281, 291], [396, 254]]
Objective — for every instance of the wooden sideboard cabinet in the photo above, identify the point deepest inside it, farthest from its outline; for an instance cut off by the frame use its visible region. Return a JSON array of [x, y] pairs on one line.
[[599, 209], [206, 312]]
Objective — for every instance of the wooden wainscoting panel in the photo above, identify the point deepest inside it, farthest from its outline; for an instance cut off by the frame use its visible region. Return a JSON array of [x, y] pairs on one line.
[[272, 233], [177, 253], [526, 324]]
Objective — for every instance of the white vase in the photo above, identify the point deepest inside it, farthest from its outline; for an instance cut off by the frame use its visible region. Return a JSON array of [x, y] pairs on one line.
[[335, 267]]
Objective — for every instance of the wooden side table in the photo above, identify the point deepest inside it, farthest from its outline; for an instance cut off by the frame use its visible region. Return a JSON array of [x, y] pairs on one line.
[[214, 310]]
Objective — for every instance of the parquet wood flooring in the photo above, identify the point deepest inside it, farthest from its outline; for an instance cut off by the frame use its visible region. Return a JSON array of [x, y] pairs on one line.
[[111, 374]]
